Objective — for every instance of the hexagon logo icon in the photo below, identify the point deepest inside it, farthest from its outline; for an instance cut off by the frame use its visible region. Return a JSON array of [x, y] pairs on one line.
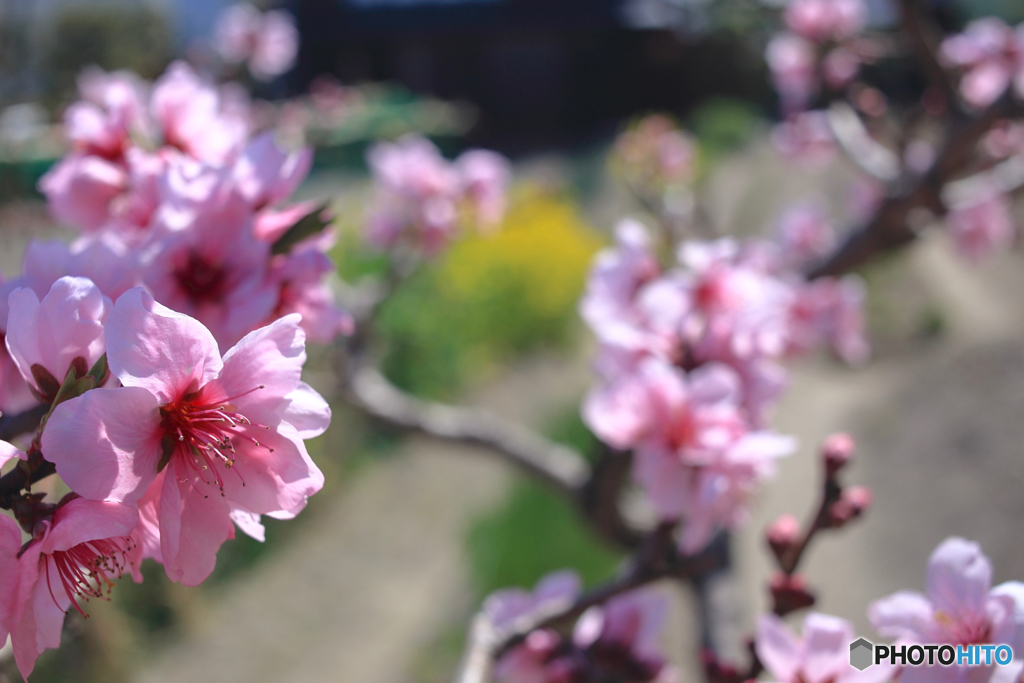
[[860, 654]]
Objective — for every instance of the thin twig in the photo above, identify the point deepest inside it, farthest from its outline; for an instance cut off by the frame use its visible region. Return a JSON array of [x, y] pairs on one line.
[[657, 558]]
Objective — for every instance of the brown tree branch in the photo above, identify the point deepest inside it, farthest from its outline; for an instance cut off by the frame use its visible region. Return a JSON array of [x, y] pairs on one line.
[[890, 228], [657, 558], [12, 483], [559, 466]]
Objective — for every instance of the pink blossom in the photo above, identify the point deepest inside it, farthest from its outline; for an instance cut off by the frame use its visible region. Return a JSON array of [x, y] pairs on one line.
[[820, 655], [990, 56], [982, 226], [830, 310], [793, 63], [101, 258], [190, 435], [214, 270], [528, 662], [959, 607], [617, 276], [485, 177], [73, 556], [740, 308], [62, 331], [804, 233], [265, 174], [717, 495], [660, 408], [80, 188], [1004, 139], [195, 117], [622, 635], [113, 109], [299, 277], [822, 20], [417, 195], [840, 67], [269, 41]]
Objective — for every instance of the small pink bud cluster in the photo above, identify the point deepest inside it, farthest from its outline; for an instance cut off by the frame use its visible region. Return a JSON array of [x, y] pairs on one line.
[[821, 47], [656, 155]]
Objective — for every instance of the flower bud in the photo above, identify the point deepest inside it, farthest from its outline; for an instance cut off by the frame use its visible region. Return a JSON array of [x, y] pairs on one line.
[[852, 504], [783, 534], [789, 593], [837, 451], [718, 671]]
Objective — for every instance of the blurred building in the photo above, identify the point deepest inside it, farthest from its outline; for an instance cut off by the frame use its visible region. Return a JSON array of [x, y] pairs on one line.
[[540, 71]]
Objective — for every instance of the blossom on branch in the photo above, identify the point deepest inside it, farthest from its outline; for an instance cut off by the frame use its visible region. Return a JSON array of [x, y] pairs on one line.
[[76, 552], [959, 607], [820, 654], [420, 197], [191, 436]]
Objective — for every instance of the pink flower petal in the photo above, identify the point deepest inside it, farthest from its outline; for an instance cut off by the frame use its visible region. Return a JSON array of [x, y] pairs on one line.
[[905, 614], [82, 520], [106, 443], [778, 648], [151, 346], [959, 577]]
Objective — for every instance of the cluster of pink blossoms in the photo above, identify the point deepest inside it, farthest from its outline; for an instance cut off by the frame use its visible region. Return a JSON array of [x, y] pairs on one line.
[[421, 199], [617, 640], [267, 43], [167, 342], [820, 46], [959, 607], [179, 446], [172, 190], [990, 56], [689, 361]]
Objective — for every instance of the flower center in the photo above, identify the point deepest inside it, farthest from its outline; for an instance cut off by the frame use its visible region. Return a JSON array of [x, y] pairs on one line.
[[200, 430], [964, 630], [202, 280], [89, 569]]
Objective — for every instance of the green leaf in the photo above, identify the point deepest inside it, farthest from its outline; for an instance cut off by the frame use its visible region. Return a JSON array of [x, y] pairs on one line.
[[307, 226], [99, 370]]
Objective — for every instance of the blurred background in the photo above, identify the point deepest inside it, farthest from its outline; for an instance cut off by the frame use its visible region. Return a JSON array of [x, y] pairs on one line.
[[376, 581]]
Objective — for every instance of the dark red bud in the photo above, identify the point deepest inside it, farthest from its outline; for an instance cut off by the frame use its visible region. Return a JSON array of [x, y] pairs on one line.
[[789, 593]]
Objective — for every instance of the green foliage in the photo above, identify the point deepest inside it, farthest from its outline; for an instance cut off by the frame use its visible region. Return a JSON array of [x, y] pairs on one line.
[[532, 533], [135, 38], [490, 297], [1010, 10], [723, 125]]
